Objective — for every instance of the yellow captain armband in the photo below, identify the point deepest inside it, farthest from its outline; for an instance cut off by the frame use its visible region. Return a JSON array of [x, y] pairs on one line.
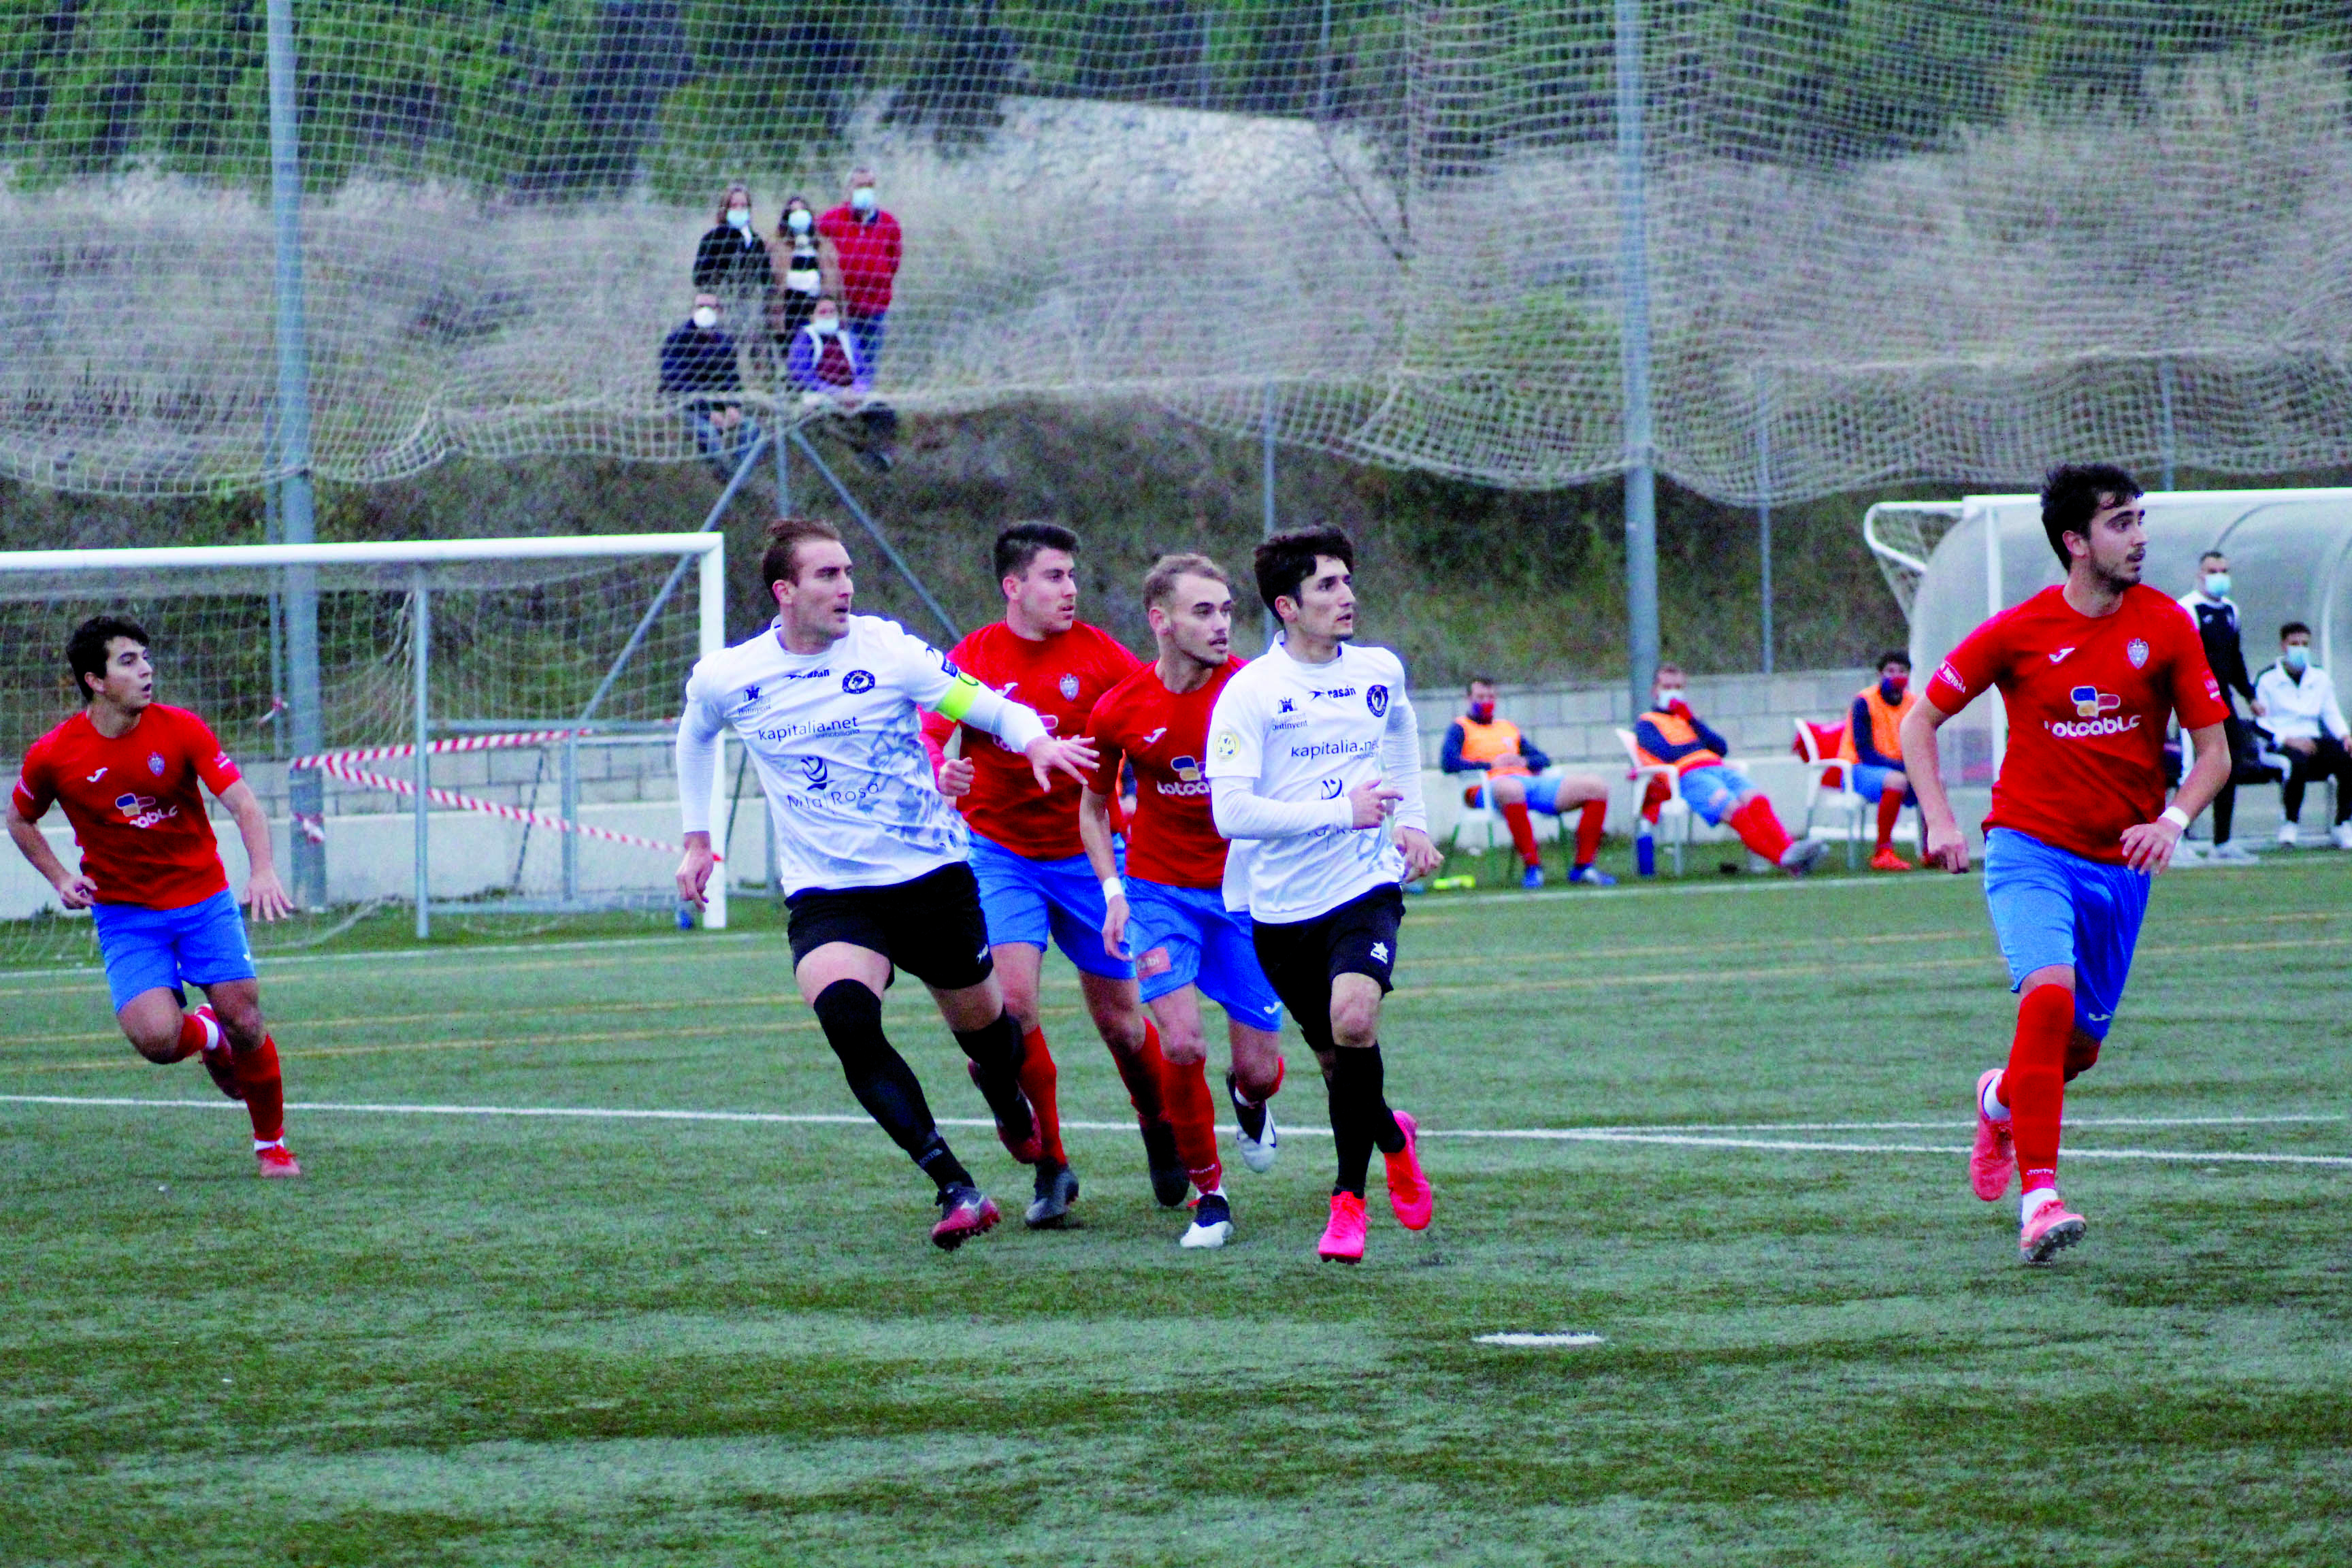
[[957, 701]]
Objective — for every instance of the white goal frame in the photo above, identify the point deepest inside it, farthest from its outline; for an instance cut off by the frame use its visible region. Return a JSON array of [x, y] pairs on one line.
[[706, 551]]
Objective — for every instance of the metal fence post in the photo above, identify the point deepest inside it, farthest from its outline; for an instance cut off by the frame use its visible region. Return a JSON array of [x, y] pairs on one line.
[[421, 662], [1633, 281]]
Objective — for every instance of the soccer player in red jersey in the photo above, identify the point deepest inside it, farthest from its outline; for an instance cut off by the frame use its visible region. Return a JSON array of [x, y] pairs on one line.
[[1171, 908], [126, 770], [2089, 670], [1031, 864]]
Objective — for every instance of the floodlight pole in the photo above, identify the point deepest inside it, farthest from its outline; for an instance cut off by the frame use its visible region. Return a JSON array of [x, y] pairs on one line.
[[306, 789], [1640, 448]]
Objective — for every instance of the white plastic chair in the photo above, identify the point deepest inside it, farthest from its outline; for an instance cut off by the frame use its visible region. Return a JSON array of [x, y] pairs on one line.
[[1488, 821], [1825, 799], [1675, 812]]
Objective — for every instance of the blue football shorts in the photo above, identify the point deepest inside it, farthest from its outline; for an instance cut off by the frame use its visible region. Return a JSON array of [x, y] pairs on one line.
[[1186, 936], [1714, 793], [199, 944], [2050, 906], [1543, 794], [1870, 782], [1028, 901]]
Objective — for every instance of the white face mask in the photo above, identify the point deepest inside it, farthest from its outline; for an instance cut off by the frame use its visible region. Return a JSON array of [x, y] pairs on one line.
[[739, 217], [798, 221], [2295, 655], [826, 325], [2217, 584], [1669, 697], [705, 316], [862, 199]]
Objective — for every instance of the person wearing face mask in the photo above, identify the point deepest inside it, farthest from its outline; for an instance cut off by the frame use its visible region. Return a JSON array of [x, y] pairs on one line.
[[1872, 747], [698, 367], [2216, 613], [1671, 735], [796, 272], [860, 247], [826, 366], [1509, 765], [731, 261], [2299, 716]]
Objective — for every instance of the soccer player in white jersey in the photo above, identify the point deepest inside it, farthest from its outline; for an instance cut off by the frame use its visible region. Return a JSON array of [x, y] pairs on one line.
[[1311, 749], [872, 856]]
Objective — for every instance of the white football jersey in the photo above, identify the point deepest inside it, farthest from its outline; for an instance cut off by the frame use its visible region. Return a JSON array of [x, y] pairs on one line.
[[1306, 733], [837, 740]]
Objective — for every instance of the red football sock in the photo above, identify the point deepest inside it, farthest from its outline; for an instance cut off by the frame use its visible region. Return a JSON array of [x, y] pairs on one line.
[[2034, 1085], [1523, 832], [1890, 807], [1038, 1079], [1142, 1072], [265, 1091], [1587, 831], [191, 1040], [1759, 826], [1194, 1118]]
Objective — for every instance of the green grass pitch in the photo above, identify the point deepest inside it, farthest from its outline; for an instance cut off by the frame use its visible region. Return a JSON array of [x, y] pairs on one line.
[[497, 1340]]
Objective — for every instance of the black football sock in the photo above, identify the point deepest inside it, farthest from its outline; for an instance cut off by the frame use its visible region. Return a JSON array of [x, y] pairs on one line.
[[995, 1049], [1360, 1118], [881, 1079], [1387, 1136]]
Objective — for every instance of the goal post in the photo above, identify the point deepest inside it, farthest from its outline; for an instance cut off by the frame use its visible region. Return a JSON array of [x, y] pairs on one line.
[[498, 713]]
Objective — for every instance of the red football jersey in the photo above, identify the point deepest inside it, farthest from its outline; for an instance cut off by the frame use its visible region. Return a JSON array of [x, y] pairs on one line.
[[2087, 698], [1062, 677], [1174, 840], [134, 806]]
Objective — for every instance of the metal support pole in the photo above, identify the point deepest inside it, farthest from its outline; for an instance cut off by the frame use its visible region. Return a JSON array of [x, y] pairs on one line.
[[1265, 485], [783, 474], [1764, 503], [421, 662], [1633, 269], [568, 790], [1323, 53], [2164, 416], [710, 635], [307, 788], [881, 541]]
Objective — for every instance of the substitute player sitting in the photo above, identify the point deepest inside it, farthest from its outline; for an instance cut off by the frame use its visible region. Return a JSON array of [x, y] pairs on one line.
[[1872, 751], [1034, 881], [126, 770], [1509, 765], [1170, 908], [1310, 748], [872, 857], [1671, 735], [2090, 672]]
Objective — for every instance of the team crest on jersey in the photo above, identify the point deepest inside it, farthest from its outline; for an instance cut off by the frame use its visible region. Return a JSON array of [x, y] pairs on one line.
[[751, 694], [155, 764], [857, 680], [1069, 689], [2136, 650], [1376, 697]]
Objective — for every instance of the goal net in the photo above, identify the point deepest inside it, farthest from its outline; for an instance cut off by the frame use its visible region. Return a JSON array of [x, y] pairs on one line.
[[1913, 239], [541, 675]]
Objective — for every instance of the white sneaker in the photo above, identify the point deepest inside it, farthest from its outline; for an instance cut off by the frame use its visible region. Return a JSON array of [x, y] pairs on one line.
[[1212, 1222], [2288, 833], [2185, 854], [2233, 852], [1804, 855], [1256, 1152], [2341, 835]]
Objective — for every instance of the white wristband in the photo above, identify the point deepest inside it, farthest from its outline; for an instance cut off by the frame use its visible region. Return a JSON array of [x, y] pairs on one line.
[[2176, 816], [1113, 889]]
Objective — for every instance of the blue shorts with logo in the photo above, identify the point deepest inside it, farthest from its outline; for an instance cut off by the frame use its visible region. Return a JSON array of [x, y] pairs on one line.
[[1543, 794], [201, 944], [1186, 936], [1714, 793], [1870, 782], [2050, 906], [1027, 901]]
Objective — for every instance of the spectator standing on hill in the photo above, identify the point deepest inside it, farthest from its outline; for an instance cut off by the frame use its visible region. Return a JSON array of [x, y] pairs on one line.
[[1509, 765], [2295, 702], [860, 247], [1873, 750], [731, 261], [2216, 613], [797, 272], [698, 364]]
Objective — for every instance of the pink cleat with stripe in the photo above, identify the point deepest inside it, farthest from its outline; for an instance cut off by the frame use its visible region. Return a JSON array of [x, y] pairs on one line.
[[1343, 1238], [2048, 1231], [1993, 1159], [1409, 1194]]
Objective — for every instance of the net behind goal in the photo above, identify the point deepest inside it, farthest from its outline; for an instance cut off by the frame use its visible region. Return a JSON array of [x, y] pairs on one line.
[[523, 691]]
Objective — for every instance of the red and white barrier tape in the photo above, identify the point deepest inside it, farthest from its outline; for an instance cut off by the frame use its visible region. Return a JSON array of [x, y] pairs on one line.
[[340, 764]]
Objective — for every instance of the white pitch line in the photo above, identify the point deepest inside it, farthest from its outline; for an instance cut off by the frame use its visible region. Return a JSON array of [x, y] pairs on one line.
[[1539, 1342], [1663, 1137]]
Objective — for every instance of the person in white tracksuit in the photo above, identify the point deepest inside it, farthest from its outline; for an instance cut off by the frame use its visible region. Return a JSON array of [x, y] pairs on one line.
[[2296, 711]]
